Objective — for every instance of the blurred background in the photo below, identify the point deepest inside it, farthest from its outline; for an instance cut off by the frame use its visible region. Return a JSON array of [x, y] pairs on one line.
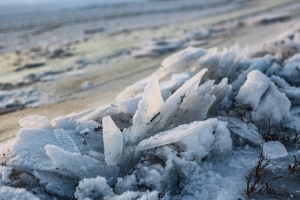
[[58, 56]]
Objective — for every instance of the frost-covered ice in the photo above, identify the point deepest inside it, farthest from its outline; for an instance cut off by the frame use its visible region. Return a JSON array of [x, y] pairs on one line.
[[274, 150], [267, 102], [193, 129]]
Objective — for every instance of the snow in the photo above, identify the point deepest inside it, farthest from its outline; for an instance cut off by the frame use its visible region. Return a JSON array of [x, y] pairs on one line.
[[274, 150], [154, 195], [95, 188], [15, 194]]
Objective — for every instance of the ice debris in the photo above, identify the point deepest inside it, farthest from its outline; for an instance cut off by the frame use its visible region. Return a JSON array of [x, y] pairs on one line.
[[166, 134], [266, 103], [274, 150]]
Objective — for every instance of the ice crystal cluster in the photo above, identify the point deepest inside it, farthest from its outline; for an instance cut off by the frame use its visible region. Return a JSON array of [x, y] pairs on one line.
[[165, 136]]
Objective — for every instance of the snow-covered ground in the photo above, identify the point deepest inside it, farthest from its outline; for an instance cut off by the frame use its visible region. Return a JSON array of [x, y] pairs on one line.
[[205, 125]]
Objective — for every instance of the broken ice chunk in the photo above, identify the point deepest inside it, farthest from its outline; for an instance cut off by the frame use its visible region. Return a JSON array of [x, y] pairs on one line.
[[180, 61], [247, 131], [266, 103], [93, 188], [130, 105], [175, 82], [113, 142], [176, 134], [236, 85], [292, 93], [127, 183], [65, 141], [209, 61], [223, 142], [107, 110], [274, 150], [170, 107], [56, 184], [64, 123], [148, 108], [77, 165], [256, 81], [153, 195], [193, 108], [5, 173], [219, 91], [28, 150], [16, 193], [35, 122]]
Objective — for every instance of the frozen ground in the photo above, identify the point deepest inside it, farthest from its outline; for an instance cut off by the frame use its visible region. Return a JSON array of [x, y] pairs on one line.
[[207, 124]]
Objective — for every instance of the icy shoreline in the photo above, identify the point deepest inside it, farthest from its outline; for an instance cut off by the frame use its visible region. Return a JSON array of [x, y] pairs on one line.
[[193, 129]]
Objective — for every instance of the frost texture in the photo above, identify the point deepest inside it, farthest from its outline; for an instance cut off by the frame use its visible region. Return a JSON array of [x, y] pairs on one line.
[[274, 150]]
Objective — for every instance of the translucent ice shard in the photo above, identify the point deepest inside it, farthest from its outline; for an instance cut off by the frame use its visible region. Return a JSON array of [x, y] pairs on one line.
[[170, 107], [149, 107], [113, 141], [16, 193], [176, 134], [247, 131], [77, 165]]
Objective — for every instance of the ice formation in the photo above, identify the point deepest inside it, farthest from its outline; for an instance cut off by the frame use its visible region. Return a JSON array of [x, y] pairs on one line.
[[267, 103], [184, 132], [274, 150]]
